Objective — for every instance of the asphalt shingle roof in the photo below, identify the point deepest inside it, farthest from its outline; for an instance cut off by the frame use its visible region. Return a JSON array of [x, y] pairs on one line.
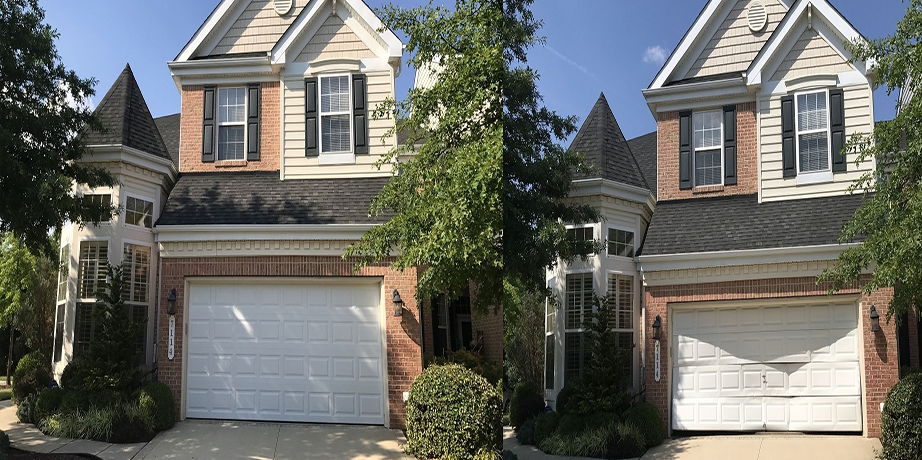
[[740, 222], [644, 150], [169, 132], [262, 198], [126, 118], [601, 141]]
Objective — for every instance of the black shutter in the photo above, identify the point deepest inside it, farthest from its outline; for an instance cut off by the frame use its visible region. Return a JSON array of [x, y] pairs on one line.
[[730, 145], [837, 129], [685, 161], [253, 105], [208, 125], [311, 128], [788, 151], [360, 113]]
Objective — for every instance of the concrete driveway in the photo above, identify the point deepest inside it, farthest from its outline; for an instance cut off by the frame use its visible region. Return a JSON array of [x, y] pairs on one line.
[[211, 440]]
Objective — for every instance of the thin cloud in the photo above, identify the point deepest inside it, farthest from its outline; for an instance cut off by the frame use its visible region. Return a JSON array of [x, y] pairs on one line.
[[654, 54], [571, 62]]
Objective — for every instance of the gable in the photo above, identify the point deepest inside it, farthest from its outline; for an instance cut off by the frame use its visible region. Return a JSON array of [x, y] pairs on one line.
[[733, 46], [811, 55], [257, 29], [334, 40]]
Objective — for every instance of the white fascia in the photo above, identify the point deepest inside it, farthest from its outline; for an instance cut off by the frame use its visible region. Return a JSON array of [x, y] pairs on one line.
[[678, 55], [132, 156], [249, 69], [651, 263], [593, 187], [734, 86], [233, 232], [205, 30]]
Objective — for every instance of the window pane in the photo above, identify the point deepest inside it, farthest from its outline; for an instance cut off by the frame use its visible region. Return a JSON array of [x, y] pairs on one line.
[[578, 299], [137, 272], [621, 301], [230, 143], [335, 130], [139, 212], [707, 168], [63, 272], [93, 258], [811, 111], [706, 129], [334, 94], [620, 243], [549, 362], [83, 328], [59, 332], [814, 152], [573, 356], [231, 105]]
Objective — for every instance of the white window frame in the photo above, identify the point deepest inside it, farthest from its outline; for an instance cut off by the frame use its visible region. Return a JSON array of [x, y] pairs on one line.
[[60, 310], [694, 151], [150, 271], [623, 229], [579, 329], [576, 227], [63, 273], [550, 332], [219, 124], [153, 211], [338, 157], [633, 321], [812, 177], [112, 198], [79, 276]]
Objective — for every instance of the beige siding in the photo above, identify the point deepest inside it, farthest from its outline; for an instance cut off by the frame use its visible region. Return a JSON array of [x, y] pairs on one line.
[[334, 40], [257, 29], [296, 165], [734, 46], [811, 55], [773, 185]]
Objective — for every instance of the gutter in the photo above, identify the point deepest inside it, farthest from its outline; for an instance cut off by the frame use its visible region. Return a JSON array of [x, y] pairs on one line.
[[690, 260], [260, 232]]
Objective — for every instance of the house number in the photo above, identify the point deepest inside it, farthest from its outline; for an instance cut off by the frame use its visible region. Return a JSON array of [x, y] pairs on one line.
[[172, 339], [655, 360]]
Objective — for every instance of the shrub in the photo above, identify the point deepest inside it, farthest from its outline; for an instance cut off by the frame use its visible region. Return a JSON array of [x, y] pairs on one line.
[[117, 423], [563, 399], [157, 399], [47, 403], [132, 423], [525, 434], [591, 442], [451, 412], [571, 424], [901, 420], [509, 455], [526, 403], [627, 441], [31, 375], [90, 375], [4, 445], [647, 419], [545, 425], [478, 364], [26, 408], [81, 401]]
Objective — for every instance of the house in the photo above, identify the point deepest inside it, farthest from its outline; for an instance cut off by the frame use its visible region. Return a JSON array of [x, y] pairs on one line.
[[715, 269], [236, 213]]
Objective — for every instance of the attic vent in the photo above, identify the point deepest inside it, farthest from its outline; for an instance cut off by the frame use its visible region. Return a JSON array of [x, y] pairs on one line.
[[757, 16], [282, 7]]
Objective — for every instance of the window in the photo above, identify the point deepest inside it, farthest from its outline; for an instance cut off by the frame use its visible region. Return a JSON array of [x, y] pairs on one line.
[[621, 302], [231, 123], [139, 212], [100, 200], [812, 132], [63, 272], [59, 331], [708, 147], [84, 327], [579, 292], [620, 242], [137, 272], [549, 320], [94, 255], [335, 129], [580, 234]]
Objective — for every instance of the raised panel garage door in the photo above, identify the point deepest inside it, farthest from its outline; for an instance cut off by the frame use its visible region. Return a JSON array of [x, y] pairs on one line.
[[285, 352], [785, 367]]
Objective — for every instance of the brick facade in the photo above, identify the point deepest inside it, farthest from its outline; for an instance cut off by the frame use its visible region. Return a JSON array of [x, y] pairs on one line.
[[880, 365], [403, 334], [492, 326], [667, 139], [913, 339], [190, 138]]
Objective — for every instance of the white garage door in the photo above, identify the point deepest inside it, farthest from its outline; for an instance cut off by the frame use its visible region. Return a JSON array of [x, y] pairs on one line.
[[766, 368], [285, 352]]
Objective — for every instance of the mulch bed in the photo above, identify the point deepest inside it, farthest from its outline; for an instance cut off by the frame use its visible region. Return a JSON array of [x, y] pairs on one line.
[[16, 454]]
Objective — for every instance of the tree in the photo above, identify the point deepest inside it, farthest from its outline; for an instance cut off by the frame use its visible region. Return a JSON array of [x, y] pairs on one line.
[[114, 349], [889, 221], [40, 124], [445, 196], [524, 340]]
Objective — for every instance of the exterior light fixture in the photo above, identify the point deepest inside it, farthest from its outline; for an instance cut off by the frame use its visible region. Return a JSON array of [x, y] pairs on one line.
[[657, 325], [171, 303], [875, 319], [398, 304]]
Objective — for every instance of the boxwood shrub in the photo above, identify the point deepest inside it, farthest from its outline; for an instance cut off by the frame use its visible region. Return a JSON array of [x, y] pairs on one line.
[[26, 408], [901, 420], [452, 413], [31, 375], [47, 403], [157, 399], [647, 419], [545, 425], [525, 434], [527, 402]]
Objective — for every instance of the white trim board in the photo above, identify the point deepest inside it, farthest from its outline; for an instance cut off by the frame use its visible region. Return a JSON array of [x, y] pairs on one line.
[[175, 233], [650, 263]]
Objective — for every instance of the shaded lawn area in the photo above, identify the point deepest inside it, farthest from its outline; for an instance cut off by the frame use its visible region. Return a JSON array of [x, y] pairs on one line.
[[6, 393]]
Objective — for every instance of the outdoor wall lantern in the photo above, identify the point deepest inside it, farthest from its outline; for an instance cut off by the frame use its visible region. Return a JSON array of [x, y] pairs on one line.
[[398, 304], [875, 319], [657, 325], [171, 303]]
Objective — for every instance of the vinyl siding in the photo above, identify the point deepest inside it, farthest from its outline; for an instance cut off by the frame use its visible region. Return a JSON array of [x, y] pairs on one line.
[[297, 166], [334, 40], [773, 185], [811, 55], [258, 28], [734, 46]]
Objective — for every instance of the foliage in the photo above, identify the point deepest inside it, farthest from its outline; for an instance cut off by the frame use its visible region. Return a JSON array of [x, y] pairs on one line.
[[28, 290], [627, 441], [524, 342], [132, 423], [157, 399], [571, 424], [509, 455], [525, 433], [527, 402], [889, 221], [445, 191], [4, 445], [39, 125], [47, 403], [83, 401], [901, 420], [30, 382], [118, 423], [647, 419], [452, 412], [592, 442], [477, 363], [26, 408], [563, 398], [545, 425]]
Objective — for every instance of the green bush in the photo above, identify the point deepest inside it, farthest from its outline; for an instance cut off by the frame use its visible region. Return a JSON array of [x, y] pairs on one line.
[[545, 425], [132, 423], [4, 445], [26, 408], [157, 399], [901, 420], [32, 374], [47, 403], [118, 423], [478, 364], [525, 434], [509, 455], [563, 399], [452, 412], [646, 417], [571, 424], [591, 442], [89, 375], [81, 401], [527, 402], [627, 441]]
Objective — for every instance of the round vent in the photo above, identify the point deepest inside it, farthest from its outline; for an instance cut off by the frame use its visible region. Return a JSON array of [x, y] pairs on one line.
[[282, 7], [756, 15]]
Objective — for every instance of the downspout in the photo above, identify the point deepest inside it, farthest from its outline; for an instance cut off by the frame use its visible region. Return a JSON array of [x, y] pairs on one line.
[[157, 321], [643, 335]]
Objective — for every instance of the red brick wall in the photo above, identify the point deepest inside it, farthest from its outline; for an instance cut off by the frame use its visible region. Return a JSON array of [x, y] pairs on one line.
[[667, 139], [404, 361], [190, 139], [492, 326], [881, 366]]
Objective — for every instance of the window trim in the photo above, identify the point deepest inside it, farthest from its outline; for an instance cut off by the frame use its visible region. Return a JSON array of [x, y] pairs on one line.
[[153, 212], [550, 319], [623, 228], [108, 241], [579, 226], [103, 191], [634, 320], [65, 271], [337, 157], [812, 177], [565, 329], [694, 150], [150, 271], [218, 124]]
